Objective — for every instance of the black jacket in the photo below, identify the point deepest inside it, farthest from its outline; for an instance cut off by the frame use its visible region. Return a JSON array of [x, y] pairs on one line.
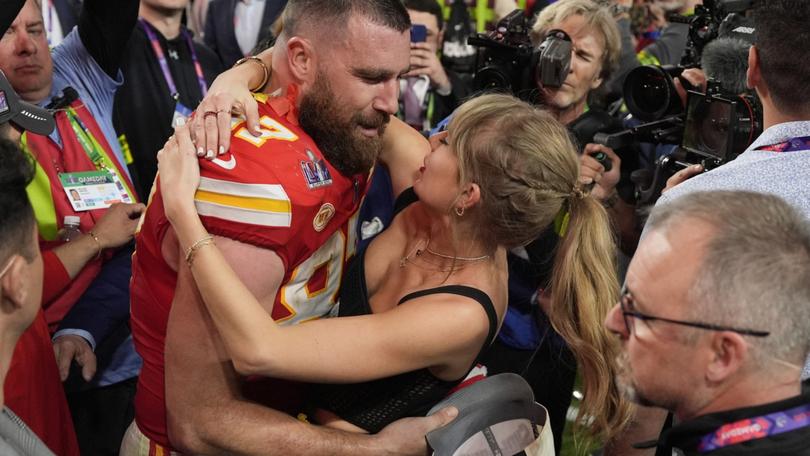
[[685, 438], [219, 33]]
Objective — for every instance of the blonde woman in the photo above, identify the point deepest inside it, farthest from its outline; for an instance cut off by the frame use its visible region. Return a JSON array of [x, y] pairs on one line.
[[423, 301]]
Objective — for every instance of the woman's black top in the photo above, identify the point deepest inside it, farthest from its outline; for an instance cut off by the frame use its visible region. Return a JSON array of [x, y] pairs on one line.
[[374, 404]]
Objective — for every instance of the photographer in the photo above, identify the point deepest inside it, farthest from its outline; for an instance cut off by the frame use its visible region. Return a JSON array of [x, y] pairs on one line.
[[779, 160], [429, 92], [595, 52], [786, 109]]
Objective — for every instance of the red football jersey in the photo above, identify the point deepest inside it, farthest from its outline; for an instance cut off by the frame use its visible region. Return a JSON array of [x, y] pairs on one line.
[[276, 192]]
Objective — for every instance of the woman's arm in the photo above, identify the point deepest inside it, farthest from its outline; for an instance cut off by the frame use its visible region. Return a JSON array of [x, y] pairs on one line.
[[409, 337], [403, 153]]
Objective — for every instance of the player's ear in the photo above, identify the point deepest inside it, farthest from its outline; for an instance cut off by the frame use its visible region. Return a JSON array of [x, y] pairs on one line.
[[301, 59]]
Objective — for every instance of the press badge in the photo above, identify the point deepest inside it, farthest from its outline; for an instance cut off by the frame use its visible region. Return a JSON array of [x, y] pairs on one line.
[[180, 111], [92, 190]]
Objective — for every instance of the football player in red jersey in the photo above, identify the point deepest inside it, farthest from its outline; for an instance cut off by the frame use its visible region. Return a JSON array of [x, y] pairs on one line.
[[280, 206], [412, 299]]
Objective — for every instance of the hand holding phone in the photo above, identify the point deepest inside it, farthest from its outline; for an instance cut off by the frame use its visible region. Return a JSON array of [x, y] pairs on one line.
[[418, 33]]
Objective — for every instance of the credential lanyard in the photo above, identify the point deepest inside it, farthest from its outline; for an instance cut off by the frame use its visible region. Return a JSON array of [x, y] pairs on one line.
[[88, 142], [791, 145], [756, 428], [164, 63], [95, 152]]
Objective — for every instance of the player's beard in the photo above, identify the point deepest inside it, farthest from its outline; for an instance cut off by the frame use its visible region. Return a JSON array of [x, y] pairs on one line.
[[336, 131]]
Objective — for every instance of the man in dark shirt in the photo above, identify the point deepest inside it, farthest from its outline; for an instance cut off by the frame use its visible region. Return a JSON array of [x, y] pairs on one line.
[[159, 85], [713, 323], [233, 28]]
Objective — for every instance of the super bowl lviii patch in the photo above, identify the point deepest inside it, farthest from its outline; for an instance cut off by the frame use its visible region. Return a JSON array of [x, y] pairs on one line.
[[315, 171]]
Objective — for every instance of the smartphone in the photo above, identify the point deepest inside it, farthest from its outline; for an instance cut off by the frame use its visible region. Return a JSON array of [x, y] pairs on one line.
[[418, 33]]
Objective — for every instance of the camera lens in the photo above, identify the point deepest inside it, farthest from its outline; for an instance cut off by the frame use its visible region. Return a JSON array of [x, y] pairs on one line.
[[650, 92], [492, 77]]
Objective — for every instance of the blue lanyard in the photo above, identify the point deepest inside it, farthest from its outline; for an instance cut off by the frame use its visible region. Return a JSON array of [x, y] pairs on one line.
[[164, 63], [791, 145], [756, 428]]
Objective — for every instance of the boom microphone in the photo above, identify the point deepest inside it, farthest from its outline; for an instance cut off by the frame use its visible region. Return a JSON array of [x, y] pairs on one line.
[[726, 60]]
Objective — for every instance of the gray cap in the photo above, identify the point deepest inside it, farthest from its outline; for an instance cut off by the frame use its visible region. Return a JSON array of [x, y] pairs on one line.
[[496, 416], [24, 115]]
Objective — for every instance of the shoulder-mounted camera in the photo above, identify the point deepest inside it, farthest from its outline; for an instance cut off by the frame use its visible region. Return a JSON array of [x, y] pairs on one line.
[[508, 62]]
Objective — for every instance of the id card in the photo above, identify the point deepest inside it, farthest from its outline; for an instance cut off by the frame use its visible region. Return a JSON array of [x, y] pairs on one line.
[[91, 190]]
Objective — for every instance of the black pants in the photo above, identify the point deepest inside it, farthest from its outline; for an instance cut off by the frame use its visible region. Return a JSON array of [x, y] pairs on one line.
[[101, 417]]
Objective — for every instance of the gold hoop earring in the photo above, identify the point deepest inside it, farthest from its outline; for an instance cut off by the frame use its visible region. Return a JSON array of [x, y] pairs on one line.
[[460, 211]]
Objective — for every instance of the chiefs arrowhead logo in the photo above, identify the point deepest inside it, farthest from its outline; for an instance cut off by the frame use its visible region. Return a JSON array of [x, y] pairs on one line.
[[322, 218]]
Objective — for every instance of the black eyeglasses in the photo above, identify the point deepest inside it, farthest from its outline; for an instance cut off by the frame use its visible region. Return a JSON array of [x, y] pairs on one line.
[[629, 323]]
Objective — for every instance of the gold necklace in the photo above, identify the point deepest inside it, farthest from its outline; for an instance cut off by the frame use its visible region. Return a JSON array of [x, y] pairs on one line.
[[417, 252], [449, 257]]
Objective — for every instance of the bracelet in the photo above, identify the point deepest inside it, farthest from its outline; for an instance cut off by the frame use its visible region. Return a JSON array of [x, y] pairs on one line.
[[98, 243], [264, 66], [196, 246]]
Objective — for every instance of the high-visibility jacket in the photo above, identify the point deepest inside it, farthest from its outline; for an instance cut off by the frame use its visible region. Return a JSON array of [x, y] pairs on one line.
[[482, 11], [50, 202]]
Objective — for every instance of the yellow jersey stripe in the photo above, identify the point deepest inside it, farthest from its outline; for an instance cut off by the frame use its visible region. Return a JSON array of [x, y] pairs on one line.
[[245, 202]]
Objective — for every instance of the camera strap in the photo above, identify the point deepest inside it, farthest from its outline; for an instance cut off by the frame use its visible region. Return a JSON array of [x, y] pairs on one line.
[[791, 145]]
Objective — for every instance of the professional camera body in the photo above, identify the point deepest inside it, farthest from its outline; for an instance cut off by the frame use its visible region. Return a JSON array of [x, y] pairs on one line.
[[715, 126], [714, 19], [508, 62]]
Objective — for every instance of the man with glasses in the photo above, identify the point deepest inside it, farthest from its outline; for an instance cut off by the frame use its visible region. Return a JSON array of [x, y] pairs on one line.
[[714, 324]]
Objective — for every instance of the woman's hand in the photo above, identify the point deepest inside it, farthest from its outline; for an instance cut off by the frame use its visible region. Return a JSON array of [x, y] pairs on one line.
[[179, 173], [228, 94]]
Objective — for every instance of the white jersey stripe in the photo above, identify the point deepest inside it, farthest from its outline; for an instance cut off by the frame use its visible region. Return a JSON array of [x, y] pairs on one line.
[[266, 191], [243, 215]]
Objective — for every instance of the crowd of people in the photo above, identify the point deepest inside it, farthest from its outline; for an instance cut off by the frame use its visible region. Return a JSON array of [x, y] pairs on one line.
[[295, 227]]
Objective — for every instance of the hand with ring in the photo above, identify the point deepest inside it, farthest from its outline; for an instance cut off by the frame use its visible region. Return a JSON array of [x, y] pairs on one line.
[[229, 93]]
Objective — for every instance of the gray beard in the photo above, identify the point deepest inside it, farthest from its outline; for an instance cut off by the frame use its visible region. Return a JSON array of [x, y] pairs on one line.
[[624, 381]]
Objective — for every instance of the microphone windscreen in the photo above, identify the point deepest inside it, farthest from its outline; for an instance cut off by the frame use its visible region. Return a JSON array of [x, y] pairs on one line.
[[726, 60]]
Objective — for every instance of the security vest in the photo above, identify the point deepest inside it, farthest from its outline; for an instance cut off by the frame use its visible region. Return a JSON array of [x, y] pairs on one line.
[[50, 202]]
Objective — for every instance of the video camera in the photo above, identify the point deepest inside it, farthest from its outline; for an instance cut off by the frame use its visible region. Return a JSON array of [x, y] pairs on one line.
[[507, 61], [715, 127]]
